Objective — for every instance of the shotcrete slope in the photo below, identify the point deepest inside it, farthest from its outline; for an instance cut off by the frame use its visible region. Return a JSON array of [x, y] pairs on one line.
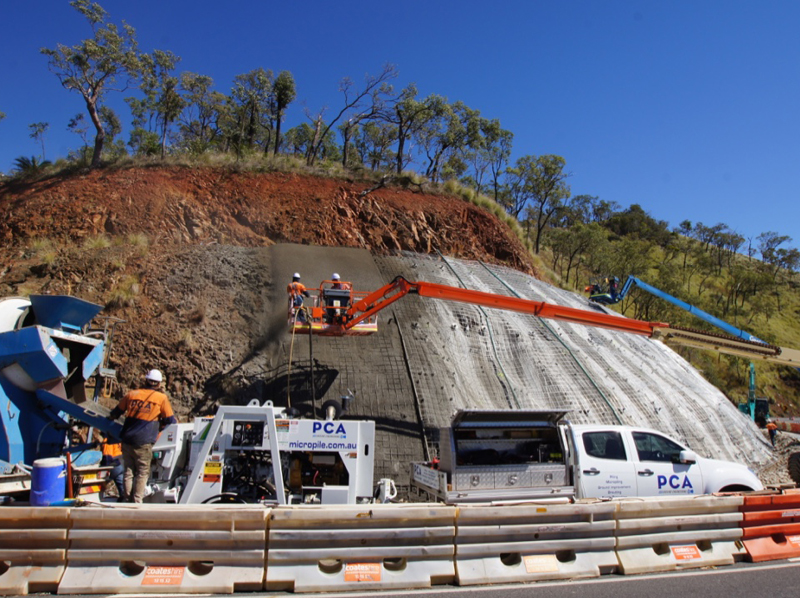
[[430, 358]]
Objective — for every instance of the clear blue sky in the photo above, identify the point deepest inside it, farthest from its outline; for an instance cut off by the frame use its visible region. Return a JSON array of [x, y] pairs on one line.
[[688, 108]]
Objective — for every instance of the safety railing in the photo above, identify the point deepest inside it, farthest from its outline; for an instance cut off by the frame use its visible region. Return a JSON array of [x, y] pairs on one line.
[[534, 542], [665, 534], [165, 549], [370, 547], [771, 526], [33, 549]]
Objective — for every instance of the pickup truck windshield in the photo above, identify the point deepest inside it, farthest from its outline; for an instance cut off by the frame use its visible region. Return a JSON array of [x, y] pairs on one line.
[[652, 447]]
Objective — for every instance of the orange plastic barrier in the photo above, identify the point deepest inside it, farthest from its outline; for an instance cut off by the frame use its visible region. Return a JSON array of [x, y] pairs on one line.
[[772, 526]]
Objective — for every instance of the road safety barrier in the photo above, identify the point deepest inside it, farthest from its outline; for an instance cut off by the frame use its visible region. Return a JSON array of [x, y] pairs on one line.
[[534, 542], [665, 534], [772, 526], [33, 549], [166, 549], [369, 547]]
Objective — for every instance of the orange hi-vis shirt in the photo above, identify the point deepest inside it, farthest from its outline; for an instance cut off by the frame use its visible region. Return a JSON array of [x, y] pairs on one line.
[[296, 288], [145, 410], [112, 450]]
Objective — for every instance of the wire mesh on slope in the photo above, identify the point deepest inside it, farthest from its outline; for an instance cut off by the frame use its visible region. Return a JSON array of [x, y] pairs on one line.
[[461, 357]]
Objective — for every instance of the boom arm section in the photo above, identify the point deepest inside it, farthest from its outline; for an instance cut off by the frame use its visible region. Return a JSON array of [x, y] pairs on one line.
[[400, 287], [731, 345]]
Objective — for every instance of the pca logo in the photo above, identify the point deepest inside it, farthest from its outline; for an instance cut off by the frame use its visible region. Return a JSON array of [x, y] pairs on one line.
[[330, 428], [674, 482]]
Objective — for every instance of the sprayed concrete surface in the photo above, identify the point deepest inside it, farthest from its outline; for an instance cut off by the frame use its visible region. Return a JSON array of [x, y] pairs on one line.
[[432, 357]]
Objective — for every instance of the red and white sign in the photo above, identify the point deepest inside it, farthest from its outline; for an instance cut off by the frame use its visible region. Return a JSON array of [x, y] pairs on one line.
[[686, 553], [163, 576], [362, 572]]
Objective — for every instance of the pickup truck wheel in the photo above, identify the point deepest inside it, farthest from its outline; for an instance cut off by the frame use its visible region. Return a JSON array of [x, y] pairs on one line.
[[794, 467]]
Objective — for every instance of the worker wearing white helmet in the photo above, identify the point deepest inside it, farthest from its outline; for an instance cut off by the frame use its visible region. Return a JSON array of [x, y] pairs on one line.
[[297, 291], [147, 411]]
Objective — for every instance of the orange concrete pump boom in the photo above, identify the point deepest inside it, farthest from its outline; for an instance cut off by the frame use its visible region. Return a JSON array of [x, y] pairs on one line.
[[351, 313], [400, 287]]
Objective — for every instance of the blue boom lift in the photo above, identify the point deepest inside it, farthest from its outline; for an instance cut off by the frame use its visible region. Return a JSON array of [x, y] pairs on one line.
[[756, 408]]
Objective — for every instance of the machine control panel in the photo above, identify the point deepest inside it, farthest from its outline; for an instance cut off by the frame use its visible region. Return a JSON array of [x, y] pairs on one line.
[[247, 434]]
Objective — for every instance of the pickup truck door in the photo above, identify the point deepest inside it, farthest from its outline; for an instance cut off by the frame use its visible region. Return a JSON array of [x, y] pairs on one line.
[[603, 466], [658, 470]]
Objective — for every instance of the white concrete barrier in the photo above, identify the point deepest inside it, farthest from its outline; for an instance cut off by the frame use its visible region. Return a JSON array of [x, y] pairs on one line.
[[665, 534], [166, 549], [534, 542], [33, 549], [370, 547]]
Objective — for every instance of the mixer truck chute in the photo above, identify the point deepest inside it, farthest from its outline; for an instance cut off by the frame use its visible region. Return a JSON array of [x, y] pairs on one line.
[[48, 355]]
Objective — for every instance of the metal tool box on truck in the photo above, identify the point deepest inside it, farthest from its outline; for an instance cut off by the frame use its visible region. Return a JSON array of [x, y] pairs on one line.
[[498, 455]]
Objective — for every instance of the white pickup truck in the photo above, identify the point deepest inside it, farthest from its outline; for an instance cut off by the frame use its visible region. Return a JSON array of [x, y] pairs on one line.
[[489, 456]]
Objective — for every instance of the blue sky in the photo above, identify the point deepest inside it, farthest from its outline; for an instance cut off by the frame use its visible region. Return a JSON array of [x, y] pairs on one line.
[[688, 108]]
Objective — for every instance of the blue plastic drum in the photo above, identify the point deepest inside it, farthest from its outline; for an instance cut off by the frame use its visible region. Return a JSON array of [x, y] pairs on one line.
[[48, 481]]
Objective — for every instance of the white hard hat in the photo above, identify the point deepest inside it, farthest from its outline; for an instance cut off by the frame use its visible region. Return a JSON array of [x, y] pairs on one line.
[[335, 276], [154, 376], [296, 275]]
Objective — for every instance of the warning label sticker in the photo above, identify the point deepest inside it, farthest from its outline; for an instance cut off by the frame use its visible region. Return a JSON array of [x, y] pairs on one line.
[[540, 563], [686, 553], [163, 576], [212, 472], [362, 572], [794, 541]]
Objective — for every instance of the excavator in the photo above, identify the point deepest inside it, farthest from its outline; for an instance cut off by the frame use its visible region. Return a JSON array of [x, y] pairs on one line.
[[358, 315]]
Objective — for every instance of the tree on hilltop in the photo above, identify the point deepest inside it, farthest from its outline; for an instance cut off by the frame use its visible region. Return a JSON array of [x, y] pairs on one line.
[[108, 61], [362, 103], [161, 105], [283, 94], [37, 131]]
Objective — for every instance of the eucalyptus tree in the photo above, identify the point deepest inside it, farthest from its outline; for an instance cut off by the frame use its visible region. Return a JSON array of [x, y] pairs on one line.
[[112, 126], [199, 121], [37, 132], [536, 184], [373, 144], [108, 61], [161, 103], [248, 109], [487, 152], [408, 115], [283, 94], [360, 103], [448, 133], [80, 127]]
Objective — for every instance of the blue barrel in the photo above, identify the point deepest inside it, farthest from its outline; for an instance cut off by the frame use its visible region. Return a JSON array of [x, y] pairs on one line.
[[48, 481]]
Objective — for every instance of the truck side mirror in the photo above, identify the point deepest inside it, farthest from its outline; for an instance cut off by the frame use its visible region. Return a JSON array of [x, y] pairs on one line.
[[687, 457]]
